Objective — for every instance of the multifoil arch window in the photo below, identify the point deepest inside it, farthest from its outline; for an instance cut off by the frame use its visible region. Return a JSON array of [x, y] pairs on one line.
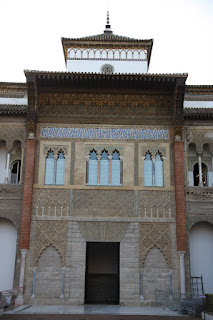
[[200, 168], [54, 168], [93, 168], [15, 172], [153, 170], [105, 168]]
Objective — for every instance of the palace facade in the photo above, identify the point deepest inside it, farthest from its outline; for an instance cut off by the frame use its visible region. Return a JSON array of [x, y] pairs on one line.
[[106, 178]]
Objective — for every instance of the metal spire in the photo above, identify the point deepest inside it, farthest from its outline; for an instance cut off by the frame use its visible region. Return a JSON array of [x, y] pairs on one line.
[[108, 26]]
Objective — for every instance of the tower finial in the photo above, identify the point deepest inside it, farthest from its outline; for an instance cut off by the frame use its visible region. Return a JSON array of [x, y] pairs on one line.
[[108, 26]]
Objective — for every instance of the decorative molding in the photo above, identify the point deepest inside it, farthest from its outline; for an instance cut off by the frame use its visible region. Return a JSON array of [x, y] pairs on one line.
[[51, 233], [155, 235], [103, 231], [109, 148], [55, 149], [108, 133], [156, 204], [52, 203]]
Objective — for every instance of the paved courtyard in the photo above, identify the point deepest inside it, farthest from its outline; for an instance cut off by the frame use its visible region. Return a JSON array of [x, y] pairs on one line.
[[29, 312]]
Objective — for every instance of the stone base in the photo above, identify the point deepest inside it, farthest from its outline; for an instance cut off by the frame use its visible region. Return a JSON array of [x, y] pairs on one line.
[[19, 301]]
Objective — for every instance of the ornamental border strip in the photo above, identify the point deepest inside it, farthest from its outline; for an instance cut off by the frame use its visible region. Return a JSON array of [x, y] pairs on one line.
[[107, 133]]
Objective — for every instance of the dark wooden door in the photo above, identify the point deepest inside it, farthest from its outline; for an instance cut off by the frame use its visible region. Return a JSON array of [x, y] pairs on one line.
[[102, 273]]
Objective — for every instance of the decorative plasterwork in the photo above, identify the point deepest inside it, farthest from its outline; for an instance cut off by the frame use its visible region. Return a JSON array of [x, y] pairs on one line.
[[49, 202], [109, 148], [156, 204], [153, 151], [103, 231], [55, 149], [155, 235], [107, 133], [199, 137], [81, 102], [51, 233], [11, 134]]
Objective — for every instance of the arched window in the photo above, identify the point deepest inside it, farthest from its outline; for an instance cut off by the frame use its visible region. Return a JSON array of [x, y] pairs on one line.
[[158, 170], [49, 168], [104, 169], [15, 172], [60, 168], [93, 169], [148, 170], [204, 174], [55, 169], [116, 169]]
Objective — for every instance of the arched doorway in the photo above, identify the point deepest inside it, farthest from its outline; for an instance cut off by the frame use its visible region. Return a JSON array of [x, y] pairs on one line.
[[204, 174], [8, 237], [201, 253]]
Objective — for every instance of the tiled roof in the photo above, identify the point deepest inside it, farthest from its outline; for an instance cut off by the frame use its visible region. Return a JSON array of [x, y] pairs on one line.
[[65, 73], [13, 109], [105, 37], [198, 112]]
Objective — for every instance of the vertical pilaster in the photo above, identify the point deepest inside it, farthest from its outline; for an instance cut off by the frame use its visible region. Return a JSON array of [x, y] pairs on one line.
[[180, 196], [136, 163], [27, 194], [72, 167], [182, 272], [20, 299]]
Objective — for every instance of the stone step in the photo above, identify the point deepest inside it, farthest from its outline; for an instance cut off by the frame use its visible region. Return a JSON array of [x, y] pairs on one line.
[[90, 317]]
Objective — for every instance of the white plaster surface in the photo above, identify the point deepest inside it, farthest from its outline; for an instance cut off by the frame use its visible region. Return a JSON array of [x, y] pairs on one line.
[[201, 254], [19, 101], [95, 66], [191, 178], [198, 104], [3, 154], [8, 236]]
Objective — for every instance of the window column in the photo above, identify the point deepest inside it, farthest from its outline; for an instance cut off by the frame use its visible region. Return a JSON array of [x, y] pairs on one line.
[[7, 168], [200, 170], [99, 169]]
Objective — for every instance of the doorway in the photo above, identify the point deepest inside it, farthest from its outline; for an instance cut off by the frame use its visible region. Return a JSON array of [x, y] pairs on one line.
[[102, 273]]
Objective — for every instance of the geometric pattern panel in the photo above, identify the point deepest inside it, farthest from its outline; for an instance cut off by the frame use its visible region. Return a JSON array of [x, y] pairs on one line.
[[156, 204], [51, 233], [103, 231], [49, 202], [155, 235], [11, 133], [199, 137], [106, 133]]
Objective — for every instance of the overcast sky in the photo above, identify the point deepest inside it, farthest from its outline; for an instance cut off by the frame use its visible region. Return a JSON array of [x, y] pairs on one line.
[[182, 30]]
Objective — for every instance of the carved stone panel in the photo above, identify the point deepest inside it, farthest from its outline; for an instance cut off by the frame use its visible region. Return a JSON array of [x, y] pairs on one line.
[[103, 231], [199, 137], [51, 233], [155, 235], [156, 204], [103, 203], [51, 202], [12, 133]]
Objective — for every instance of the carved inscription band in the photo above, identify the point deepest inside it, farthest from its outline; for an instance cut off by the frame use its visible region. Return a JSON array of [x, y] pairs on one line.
[[108, 133]]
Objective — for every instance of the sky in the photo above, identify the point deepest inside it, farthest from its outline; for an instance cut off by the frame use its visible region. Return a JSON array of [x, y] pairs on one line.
[[182, 30]]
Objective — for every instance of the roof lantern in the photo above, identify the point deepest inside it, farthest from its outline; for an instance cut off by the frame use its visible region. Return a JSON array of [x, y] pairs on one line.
[[107, 26]]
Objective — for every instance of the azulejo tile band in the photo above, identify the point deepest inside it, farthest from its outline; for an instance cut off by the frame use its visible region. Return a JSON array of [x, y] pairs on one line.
[[109, 133]]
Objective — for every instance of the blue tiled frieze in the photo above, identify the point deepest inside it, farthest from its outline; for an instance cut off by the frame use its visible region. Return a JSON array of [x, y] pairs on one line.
[[109, 133]]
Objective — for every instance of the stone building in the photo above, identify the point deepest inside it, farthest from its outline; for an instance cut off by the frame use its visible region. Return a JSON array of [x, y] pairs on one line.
[[106, 178]]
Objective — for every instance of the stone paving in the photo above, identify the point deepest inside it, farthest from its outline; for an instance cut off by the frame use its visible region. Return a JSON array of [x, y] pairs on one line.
[[29, 312]]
